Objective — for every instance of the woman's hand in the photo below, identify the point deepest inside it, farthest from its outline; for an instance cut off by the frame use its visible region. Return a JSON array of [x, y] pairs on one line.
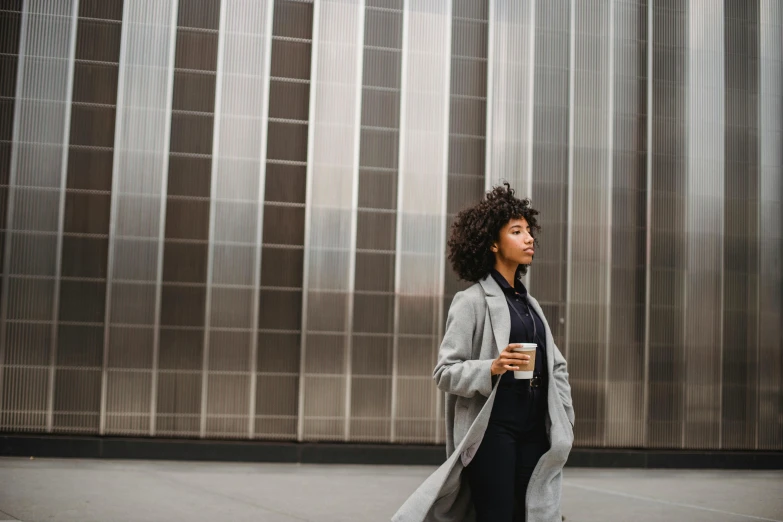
[[509, 360]]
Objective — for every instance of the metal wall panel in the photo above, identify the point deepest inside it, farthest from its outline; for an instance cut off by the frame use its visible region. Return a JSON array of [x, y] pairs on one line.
[[236, 219], [373, 308], [77, 386], [468, 113], [280, 303], [740, 252], [34, 214], [138, 210], [625, 359], [703, 300], [467, 135], [421, 208], [330, 220], [10, 29], [510, 84], [197, 244], [468, 119], [549, 185], [667, 239], [770, 217], [184, 285], [230, 356], [591, 186]]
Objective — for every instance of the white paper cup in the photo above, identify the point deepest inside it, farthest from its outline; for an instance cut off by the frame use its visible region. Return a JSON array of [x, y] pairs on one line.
[[526, 370]]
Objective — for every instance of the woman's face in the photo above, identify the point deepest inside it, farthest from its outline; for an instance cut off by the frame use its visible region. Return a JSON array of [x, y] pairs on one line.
[[514, 244]]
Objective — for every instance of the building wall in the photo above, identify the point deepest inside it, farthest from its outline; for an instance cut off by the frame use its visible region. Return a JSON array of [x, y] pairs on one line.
[[227, 219]]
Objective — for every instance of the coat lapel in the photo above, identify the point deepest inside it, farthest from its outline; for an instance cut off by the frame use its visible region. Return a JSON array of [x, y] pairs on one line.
[[498, 312]]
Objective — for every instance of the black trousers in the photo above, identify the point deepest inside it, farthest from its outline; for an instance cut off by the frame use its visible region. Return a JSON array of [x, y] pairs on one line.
[[514, 441]]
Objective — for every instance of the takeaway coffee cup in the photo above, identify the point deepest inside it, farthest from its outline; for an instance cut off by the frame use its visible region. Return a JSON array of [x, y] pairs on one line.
[[526, 370]]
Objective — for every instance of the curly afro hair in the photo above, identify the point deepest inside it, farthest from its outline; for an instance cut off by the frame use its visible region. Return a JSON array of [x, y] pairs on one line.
[[477, 227]]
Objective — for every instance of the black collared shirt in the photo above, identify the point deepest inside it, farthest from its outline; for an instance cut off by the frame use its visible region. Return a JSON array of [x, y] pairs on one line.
[[523, 321]]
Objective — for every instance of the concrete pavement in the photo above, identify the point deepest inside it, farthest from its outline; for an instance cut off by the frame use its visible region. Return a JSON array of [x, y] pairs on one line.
[[71, 490]]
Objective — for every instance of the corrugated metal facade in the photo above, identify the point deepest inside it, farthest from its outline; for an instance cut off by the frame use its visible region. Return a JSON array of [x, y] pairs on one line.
[[227, 219]]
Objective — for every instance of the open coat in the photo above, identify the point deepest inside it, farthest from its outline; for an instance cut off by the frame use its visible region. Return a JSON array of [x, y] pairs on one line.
[[477, 328]]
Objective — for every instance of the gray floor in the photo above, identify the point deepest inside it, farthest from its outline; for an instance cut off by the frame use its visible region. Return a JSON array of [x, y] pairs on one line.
[[109, 491]]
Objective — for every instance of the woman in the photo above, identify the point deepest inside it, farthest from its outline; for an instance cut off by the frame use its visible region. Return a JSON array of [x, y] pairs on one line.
[[507, 438]]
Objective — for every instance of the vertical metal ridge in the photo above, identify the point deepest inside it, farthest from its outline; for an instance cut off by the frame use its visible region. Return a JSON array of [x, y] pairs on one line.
[[531, 114], [61, 218], [118, 126], [610, 201], [570, 210], [721, 125], [759, 221], [703, 276], [770, 429], [270, 8], [760, 126], [308, 217], [216, 125], [332, 217], [162, 221], [648, 227], [12, 175], [491, 64], [398, 227], [722, 304], [444, 209], [509, 96], [354, 221], [686, 210], [531, 105], [420, 191]]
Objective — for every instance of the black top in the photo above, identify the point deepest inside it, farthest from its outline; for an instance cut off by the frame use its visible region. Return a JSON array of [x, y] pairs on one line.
[[522, 322]]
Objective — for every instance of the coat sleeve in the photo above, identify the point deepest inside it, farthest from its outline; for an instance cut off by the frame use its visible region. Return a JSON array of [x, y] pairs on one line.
[[560, 374], [456, 372]]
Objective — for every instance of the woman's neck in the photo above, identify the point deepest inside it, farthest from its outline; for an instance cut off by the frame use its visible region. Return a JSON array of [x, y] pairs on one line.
[[508, 271]]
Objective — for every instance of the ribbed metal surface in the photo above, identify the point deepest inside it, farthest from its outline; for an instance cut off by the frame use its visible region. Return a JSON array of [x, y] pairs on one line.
[[624, 357], [510, 84], [236, 219], [667, 221], [184, 285], [740, 252], [467, 134], [421, 209], [702, 345], [83, 263], [34, 213], [280, 303], [228, 219], [330, 243], [138, 210], [246, 30], [373, 298], [770, 217], [591, 186], [549, 182]]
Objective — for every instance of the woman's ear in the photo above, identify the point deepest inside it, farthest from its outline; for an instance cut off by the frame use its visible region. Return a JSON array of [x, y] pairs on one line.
[[494, 247]]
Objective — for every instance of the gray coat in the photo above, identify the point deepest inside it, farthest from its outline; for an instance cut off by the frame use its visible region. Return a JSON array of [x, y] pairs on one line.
[[478, 326]]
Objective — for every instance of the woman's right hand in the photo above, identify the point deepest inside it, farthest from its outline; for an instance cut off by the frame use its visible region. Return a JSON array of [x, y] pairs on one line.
[[509, 360]]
